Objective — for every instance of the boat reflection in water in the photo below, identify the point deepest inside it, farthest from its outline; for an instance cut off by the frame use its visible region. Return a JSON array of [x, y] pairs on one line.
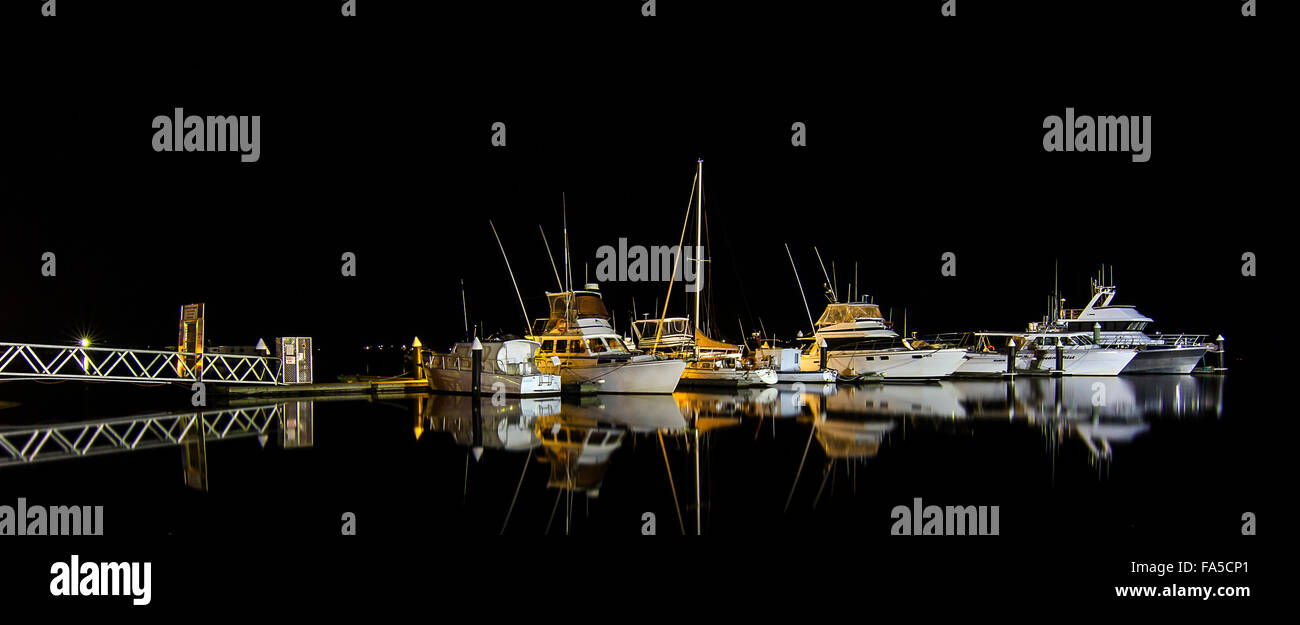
[[698, 460]]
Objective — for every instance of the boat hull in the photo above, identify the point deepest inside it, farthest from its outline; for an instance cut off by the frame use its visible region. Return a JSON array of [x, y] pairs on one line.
[[1080, 362], [982, 364], [1181, 360], [648, 376], [826, 376], [728, 377], [917, 364], [461, 382]]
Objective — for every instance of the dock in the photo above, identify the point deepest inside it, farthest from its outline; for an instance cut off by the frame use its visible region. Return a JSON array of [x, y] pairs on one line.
[[371, 387]]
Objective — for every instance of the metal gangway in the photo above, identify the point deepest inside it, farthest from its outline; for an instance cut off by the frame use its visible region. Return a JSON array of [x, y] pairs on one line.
[[63, 362], [29, 444]]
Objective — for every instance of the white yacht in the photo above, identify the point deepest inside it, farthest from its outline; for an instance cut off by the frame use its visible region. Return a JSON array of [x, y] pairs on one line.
[[858, 340], [509, 363], [1037, 352], [1113, 324], [578, 342]]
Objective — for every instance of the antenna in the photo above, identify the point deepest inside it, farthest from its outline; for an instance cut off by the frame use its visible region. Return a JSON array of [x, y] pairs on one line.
[[512, 276], [800, 283], [836, 278], [464, 307]]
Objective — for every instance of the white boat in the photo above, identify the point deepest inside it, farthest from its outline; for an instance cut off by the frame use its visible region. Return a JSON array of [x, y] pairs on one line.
[[1123, 326], [987, 353], [858, 340], [788, 364], [726, 371], [1080, 355], [509, 364], [579, 343], [708, 362]]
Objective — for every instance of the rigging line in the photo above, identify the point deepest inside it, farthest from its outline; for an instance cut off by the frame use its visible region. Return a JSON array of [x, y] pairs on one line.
[[708, 297], [676, 261]]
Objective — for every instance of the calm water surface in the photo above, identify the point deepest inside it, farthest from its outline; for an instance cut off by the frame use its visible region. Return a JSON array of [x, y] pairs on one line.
[[1118, 456]]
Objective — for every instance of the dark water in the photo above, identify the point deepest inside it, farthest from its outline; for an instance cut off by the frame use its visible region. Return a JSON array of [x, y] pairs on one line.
[[1088, 476], [1127, 456]]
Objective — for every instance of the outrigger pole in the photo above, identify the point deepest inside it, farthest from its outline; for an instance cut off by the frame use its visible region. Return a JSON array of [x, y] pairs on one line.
[[558, 283], [522, 309], [801, 293], [826, 275]]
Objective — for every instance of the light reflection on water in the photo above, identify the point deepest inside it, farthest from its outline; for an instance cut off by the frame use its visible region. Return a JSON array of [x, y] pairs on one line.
[[574, 443]]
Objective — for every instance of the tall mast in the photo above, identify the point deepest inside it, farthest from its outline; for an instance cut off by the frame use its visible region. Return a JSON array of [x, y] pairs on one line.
[[568, 273], [699, 236]]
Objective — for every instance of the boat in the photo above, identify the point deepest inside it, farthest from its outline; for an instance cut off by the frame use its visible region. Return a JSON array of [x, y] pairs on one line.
[[509, 363], [788, 364], [858, 340], [1123, 326], [1036, 351], [579, 343], [709, 362], [1079, 355]]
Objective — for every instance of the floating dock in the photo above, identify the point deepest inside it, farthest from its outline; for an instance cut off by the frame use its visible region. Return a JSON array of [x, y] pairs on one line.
[[372, 387]]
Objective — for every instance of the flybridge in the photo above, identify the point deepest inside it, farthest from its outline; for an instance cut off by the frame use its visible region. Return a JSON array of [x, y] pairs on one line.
[[213, 133]]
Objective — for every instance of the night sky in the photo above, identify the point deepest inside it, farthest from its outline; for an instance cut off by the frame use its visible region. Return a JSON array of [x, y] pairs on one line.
[[917, 145], [924, 137]]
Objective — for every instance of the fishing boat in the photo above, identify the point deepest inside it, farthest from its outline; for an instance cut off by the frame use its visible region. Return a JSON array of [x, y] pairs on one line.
[[857, 339], [1077, 353], [1123, 326], [509, 363], [579, 343]]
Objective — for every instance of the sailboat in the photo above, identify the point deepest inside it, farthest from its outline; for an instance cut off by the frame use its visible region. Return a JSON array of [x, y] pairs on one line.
[[709, 362]]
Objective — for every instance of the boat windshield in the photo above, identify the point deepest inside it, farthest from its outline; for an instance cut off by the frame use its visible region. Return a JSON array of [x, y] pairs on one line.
[[582, 305], [849, 313]]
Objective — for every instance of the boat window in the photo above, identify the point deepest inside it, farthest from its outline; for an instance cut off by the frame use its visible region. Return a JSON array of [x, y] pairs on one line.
[[548, 345], [1136, 326], [615, 344], [595, 346], [575, 347]]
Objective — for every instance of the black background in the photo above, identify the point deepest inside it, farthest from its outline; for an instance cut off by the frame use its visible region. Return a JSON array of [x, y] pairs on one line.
[[924, 136]]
